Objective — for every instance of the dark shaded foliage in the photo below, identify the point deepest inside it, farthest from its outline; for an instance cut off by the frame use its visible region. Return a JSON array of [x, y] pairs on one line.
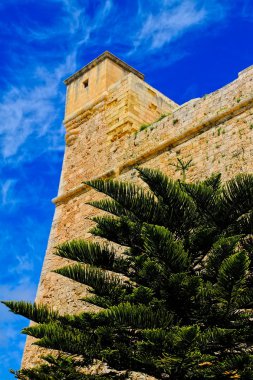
[[178, 301]]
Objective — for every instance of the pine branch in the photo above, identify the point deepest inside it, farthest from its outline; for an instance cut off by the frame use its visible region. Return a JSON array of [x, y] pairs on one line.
[[179, 210], [111, 206], [236, 198], [54, 336], [138, 316], [34, 312], [134, 198], [160, 243], [232, 279], [104, 283], [97, 254], [205, 199], [243, 225], [118, 230], [221, 249], [214, 181], [59, 367]]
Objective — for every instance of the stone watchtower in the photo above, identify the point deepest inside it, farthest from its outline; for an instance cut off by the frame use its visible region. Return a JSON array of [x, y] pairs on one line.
[[115, 121]]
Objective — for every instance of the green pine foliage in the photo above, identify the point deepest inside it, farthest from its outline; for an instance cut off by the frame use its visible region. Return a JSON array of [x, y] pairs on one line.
[[62, 367], [176, 301]]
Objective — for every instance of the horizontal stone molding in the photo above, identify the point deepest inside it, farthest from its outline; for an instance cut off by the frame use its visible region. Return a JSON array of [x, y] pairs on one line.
[[191, 132], [83, 188]]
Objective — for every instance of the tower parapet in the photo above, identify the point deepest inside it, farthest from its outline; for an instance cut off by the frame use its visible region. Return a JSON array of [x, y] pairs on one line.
[[109, 85]]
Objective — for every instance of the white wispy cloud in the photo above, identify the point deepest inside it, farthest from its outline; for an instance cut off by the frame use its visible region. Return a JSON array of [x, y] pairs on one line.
[[24, 289], [68, 22], [170, 23], [165, 21], [23, 264], [247, 9], [29, 110], [6, 192], [74, 14]]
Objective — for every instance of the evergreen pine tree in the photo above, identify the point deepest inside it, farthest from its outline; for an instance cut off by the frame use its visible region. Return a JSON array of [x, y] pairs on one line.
[[177, 301]]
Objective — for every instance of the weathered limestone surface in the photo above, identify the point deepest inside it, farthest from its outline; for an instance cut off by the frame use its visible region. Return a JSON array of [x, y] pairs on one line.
[[103, 140]]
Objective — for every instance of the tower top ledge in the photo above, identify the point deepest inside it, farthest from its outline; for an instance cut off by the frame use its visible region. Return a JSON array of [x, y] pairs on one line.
[[99, 59]]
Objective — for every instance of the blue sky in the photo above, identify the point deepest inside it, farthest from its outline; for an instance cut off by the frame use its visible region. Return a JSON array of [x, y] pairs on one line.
[[185, 48]]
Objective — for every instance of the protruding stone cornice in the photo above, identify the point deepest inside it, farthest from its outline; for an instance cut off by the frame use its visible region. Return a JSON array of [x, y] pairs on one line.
[[83, 188], [98, 60]]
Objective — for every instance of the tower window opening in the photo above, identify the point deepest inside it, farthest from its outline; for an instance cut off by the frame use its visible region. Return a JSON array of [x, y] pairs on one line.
[[86, 83]]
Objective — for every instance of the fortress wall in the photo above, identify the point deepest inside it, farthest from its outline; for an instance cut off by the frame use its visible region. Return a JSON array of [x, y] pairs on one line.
[[227, 149], [216, 132], [226, 110], [131, 148]]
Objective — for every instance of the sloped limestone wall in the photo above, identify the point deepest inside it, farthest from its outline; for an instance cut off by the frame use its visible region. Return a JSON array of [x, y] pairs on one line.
[[215, 132]]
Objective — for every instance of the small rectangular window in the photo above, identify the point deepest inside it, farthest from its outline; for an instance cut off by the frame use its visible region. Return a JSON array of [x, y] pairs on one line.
[[86, 83]]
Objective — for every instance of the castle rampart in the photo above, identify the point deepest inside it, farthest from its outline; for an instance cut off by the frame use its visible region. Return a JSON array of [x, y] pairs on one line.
[[111, 127]]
